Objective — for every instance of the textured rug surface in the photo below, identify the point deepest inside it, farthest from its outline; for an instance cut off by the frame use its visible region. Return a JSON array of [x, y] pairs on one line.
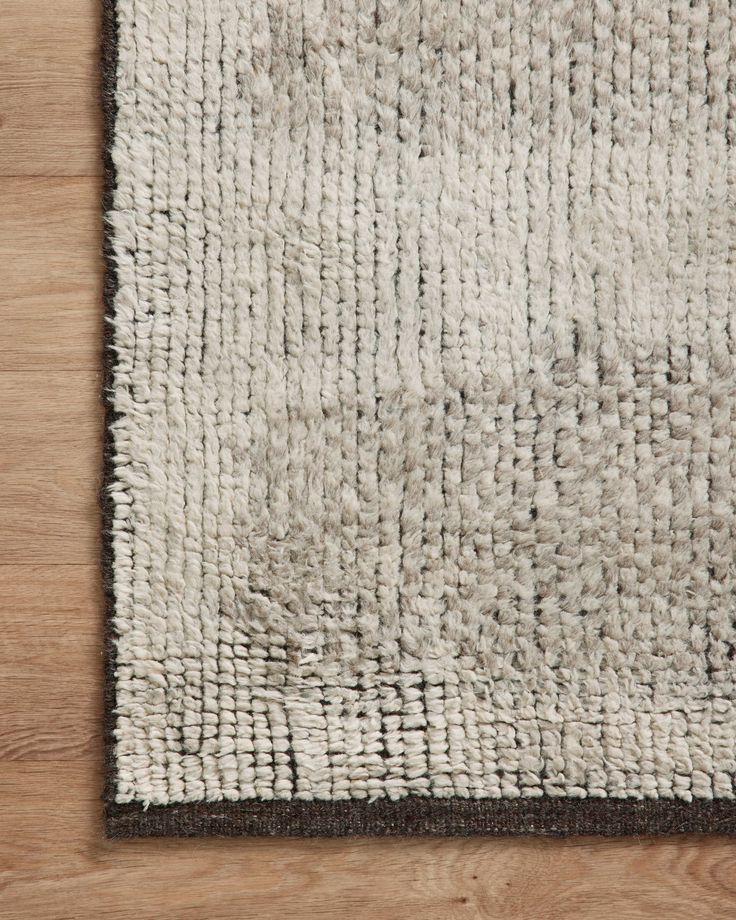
[[420, 463]]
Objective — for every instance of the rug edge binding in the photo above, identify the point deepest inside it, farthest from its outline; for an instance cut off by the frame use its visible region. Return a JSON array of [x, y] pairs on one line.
[[545, 816]]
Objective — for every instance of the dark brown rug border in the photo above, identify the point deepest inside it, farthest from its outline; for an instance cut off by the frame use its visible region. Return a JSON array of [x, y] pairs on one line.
[[412, 816], [423, 816], [109, 53]]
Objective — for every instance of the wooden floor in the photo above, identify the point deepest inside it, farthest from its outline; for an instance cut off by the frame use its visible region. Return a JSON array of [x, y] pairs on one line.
[[54, 862]]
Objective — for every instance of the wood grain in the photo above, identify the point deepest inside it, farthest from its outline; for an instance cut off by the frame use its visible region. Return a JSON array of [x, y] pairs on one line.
[[49, 470], [49, 656], [54, 862], [49, 120], [51, 240]]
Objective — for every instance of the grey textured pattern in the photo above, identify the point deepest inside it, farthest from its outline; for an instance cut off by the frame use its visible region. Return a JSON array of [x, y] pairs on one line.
[[424, 387]]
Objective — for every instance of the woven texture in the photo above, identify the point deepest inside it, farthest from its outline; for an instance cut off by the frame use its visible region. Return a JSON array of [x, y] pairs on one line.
[[422, 409]]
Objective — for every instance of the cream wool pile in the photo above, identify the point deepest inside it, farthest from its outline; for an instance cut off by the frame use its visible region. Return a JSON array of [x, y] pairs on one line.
[[420, 469]]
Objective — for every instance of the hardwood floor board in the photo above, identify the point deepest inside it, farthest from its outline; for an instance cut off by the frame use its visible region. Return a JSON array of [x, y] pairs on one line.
[[49, 74], [49, 467], [50, 663], [50, 268]]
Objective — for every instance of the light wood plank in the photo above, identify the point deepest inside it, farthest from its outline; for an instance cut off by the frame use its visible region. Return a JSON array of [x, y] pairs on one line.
[[50, 689], [50, 274], [49, 96], [50, 467]]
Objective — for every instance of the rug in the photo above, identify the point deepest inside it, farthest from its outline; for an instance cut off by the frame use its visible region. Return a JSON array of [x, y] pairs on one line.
[[420, 471]]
